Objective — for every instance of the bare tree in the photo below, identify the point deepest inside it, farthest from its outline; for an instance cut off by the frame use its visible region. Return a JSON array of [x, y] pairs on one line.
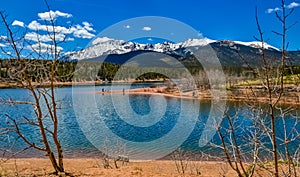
[[116, 152], [241, 143], [264, 135], [32, 75], [181, 159], [274, 89]]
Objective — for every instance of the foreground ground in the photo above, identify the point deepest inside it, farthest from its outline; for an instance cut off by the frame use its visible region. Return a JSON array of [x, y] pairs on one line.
[[93, 167]]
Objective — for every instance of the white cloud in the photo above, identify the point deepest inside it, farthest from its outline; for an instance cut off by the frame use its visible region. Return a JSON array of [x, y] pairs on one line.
[[200, 35], [3, 37], [78, 31], [293, 5], [150, 39], [88, 26], [53, 15], [127, 26], [147, 28], [44, 38], [6, 53], [70, 39], [82, 33], [44, 48], [273, 10], [290, 6], [35, 37], [34, 25], [61, 14], [18, 23], [101, 40]]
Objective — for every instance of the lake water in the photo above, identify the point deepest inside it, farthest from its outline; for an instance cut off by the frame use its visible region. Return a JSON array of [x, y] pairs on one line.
[[140, 126]]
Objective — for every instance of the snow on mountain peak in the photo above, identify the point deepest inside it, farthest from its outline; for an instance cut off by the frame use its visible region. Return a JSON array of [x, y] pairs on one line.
[[197, 42], [107, 46], [101, 40], [256, 44]]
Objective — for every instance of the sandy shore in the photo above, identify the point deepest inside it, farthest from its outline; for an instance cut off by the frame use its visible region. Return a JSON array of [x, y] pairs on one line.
[[93, 167], [241, 95], [238, 94], [151, 91]]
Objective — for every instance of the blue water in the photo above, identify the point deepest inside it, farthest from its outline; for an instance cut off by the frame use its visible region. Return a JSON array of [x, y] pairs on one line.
[[145, 126]]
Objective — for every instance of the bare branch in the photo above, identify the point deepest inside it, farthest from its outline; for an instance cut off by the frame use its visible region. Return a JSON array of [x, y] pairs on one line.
[[21, 135]]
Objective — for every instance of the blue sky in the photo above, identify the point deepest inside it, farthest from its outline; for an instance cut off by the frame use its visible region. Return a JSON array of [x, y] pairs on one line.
[[218, 19]]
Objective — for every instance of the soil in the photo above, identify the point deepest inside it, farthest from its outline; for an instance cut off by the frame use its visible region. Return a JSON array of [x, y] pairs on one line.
[[93, 167]]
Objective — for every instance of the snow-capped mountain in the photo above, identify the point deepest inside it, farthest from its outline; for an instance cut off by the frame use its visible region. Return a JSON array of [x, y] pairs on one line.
[[229, 52], [107, 46], [256, 44]]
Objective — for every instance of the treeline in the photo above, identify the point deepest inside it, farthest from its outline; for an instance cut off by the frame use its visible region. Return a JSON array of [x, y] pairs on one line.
[[67, 71], [36, 70]]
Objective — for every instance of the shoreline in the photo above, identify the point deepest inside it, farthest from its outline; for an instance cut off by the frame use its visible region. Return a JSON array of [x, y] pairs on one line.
[[241, 95], [4, 85], [202, 95]]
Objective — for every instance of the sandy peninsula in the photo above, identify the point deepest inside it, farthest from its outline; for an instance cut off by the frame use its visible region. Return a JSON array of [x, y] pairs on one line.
[[240, 94]]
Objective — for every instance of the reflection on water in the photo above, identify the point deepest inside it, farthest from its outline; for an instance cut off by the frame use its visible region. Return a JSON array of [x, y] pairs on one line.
[[84, 128]]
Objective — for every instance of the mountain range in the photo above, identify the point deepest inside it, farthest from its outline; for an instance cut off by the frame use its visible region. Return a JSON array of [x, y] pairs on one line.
[[229, 53]]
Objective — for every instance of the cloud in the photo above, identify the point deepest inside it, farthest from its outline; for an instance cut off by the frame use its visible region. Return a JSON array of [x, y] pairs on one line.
[[88, 26], [44, 48], [290, 6], [150, 39], [3, 37], [44, 38], [147, 28], [82, 33], [78, 31], [273, 10], [127, 26], [6, 53], [293, 5], [18, 23], [200, 34], [53, 15], [34, 25], [70, 39], [101, 40]]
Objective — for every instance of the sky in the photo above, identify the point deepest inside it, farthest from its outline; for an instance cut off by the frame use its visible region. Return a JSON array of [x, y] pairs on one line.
[[214, 19]]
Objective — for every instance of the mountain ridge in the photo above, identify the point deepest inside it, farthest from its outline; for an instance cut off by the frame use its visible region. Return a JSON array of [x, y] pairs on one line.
[[229, 52], [106, 46]]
